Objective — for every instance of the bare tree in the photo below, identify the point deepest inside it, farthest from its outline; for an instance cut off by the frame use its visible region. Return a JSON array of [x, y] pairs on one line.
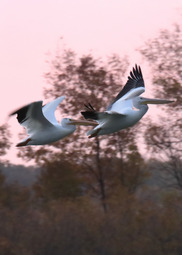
[[4, 140], [164, 54]]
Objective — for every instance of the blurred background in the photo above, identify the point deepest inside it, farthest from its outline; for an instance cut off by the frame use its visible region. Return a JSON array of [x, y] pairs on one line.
[[116, 194]]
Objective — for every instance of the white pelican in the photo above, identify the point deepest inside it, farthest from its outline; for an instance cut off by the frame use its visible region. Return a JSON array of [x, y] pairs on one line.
[[125, 110], [41, 124]]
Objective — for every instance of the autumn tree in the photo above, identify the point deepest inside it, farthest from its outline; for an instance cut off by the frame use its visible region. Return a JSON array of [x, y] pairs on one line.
[[58, 180], [4, 146], [164, 55], [4, 139], [83, 80]]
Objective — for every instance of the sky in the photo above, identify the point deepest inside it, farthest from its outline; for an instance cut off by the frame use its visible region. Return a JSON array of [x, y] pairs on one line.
[[31, 32]]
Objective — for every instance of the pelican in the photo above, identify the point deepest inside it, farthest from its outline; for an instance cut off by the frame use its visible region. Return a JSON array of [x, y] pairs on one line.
[[125, 110], [41, 124]]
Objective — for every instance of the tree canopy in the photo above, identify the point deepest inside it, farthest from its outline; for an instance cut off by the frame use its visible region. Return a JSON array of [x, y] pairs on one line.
[[164, 54]]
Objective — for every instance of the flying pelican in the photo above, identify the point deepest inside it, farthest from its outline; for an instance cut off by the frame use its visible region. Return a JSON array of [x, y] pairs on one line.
[[41, 124], [125, 110]]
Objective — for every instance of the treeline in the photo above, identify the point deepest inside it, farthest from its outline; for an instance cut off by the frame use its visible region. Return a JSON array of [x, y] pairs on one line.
[[60, 214]]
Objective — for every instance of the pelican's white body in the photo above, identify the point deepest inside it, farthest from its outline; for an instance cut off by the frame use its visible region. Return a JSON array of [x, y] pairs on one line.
[[122, 114], [41, 124], [126, 110], [42, 137]]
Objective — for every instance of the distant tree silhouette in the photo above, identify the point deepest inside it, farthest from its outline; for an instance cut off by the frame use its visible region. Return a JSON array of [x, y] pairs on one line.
[[58, 180], [4, 139], [164, 55]]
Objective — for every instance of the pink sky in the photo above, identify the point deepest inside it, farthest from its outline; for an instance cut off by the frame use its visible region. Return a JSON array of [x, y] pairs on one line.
[[31, 29]]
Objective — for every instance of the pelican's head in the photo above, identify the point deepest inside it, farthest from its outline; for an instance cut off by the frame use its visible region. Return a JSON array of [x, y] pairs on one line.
[[141, 103], [66, 123]]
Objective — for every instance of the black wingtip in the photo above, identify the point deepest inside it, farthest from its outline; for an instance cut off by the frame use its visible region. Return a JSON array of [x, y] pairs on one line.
[[90, 112], [136, 73], [21, 113], [89, 107], [90, 115]]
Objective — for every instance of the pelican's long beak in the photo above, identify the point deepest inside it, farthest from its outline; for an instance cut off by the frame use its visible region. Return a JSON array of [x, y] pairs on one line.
[[82, 122], [155, 101]]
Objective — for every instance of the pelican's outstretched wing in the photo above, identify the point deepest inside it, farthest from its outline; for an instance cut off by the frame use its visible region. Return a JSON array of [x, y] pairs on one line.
[[49, 109], [134, 86], [31, 117]]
